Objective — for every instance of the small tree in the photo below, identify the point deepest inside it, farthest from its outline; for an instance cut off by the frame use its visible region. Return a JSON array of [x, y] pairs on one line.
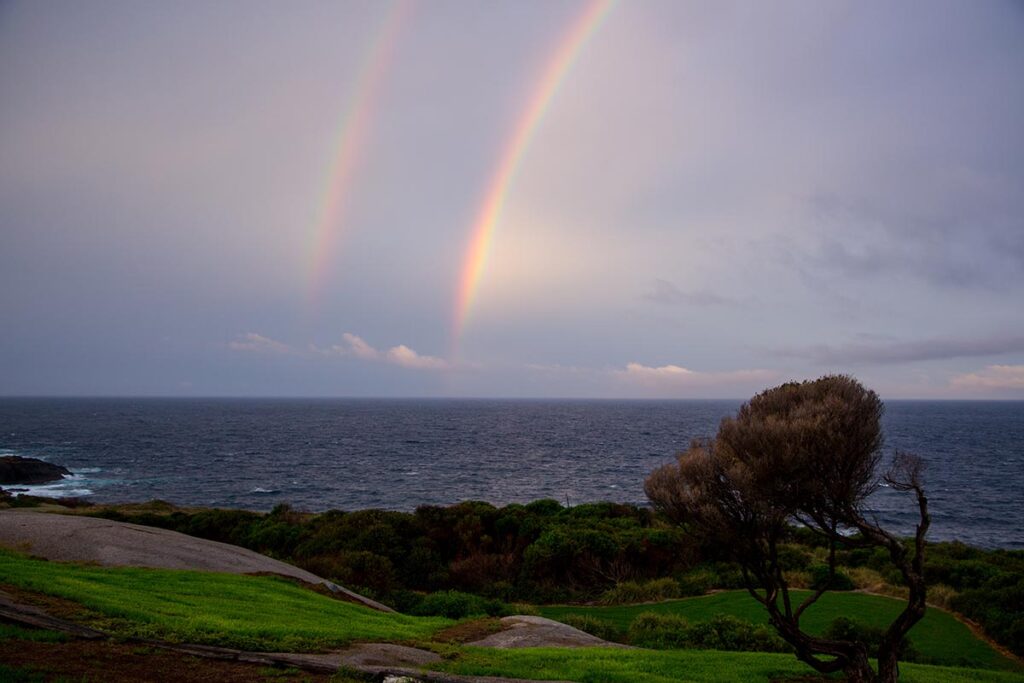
[[802, 453]]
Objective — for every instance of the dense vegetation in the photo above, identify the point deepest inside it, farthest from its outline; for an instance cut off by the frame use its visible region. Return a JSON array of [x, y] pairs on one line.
[[540, 552], [546, 553]]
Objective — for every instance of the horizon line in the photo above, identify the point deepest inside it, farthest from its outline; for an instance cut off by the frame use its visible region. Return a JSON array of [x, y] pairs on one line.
[[366, 397]]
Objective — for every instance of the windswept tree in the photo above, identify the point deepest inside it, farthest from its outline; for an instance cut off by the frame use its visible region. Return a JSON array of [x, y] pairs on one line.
[[805, 454]]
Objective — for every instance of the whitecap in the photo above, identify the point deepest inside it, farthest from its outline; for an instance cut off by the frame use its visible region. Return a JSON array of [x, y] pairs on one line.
[[57, 489], [260, 489]]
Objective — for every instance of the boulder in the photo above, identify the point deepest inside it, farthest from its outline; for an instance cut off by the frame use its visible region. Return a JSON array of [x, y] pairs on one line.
[[15, 469]]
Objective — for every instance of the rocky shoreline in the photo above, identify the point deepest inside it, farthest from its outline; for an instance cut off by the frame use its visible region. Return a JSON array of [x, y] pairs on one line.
[[18, 470]]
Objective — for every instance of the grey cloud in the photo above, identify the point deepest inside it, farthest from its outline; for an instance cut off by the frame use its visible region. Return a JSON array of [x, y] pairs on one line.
[[966, 238], [902, 352], [664, 292]]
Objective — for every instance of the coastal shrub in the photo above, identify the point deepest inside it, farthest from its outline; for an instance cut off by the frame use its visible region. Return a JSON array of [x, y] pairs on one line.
[[595, 626], [727, 575], [797, 579], [726, 632], [628, 592], [792, 557], [659, 631], [458, 605], [479, 570], [845, 628], [721, 632], [696, 582], [820, 578], [360, 570], [404, 601], [999, 609], [864, 578], [941, 595]]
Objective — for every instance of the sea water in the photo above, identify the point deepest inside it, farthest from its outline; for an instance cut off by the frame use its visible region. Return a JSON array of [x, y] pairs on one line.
[[318, 454]]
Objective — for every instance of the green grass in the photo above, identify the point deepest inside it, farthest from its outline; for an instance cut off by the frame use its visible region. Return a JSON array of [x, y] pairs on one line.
[[274, 614], [38, 635], [248, 612], [599, 665], [939, 637]]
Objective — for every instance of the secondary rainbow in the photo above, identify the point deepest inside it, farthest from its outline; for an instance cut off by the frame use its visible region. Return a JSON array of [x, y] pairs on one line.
[[552, 76], [353, 132]]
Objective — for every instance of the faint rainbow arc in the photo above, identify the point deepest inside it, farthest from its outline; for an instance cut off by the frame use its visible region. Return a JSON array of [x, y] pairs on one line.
[[487, 217], [352, 134]]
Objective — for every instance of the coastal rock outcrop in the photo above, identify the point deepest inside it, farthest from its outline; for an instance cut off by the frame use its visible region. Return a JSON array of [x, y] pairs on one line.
[[15, 469]]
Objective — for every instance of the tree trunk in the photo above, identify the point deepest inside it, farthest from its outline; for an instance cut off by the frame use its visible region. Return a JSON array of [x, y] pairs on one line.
[[858, 670], [888, 667]]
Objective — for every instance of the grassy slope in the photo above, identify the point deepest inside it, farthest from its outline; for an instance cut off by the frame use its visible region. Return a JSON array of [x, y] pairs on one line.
[[268, 613], [939, 636], [651, 666], [257, 613]]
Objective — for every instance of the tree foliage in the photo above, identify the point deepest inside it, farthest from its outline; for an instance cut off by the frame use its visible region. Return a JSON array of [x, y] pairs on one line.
[[805, 453]]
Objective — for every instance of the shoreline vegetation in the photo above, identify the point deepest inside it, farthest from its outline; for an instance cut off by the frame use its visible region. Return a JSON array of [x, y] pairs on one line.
[[616, 571]]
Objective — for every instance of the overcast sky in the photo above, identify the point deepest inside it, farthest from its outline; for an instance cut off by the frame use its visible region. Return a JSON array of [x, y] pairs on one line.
[[718, 198]]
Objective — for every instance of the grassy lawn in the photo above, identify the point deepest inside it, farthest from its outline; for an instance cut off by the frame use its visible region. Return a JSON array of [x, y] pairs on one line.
[[248, 612], [939, 636], [664, 666], [265, 613]]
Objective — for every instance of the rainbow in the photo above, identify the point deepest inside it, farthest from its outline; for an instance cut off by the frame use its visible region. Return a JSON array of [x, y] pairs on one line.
[[352, 134], [552, 76]]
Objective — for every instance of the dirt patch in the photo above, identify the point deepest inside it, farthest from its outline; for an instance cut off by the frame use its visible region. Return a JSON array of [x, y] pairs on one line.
[[121, 663], [469, 631]]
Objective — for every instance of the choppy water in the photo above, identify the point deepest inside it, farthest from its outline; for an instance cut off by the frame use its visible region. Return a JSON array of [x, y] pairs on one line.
[[350, 454]]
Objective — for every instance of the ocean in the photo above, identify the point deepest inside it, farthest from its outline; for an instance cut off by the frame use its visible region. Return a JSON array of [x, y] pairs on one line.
[[319, 454]]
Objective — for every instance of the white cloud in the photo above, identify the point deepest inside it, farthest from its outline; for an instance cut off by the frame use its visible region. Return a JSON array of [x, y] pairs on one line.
[[997, 378], [356, 346], [402, 355], [676, 376], [406, 357], [257, 343]]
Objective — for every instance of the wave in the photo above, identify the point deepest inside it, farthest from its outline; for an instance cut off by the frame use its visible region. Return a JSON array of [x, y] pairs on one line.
[[69, 487]]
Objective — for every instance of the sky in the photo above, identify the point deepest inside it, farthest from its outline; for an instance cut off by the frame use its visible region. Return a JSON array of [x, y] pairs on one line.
[[559, 198]]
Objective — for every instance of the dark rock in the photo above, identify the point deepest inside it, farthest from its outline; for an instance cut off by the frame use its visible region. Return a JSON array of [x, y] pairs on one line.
[[15, 469]]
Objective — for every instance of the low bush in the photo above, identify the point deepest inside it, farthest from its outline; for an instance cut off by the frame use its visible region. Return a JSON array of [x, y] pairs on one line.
[[797, 579], [659, 631], [696, 582], [941, 595], [721, 632], [865, 578], [726, 632], [1000, 609], [820, 579], [602, 628], [459, 605], [629, 592], [845, 628]]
